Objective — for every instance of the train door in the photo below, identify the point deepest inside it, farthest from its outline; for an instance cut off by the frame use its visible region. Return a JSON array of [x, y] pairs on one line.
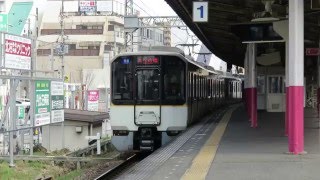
[[276, 93], [261, 92], [147, 110]]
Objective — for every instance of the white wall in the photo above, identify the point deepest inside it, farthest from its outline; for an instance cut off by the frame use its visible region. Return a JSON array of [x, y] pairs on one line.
[[73, 140]]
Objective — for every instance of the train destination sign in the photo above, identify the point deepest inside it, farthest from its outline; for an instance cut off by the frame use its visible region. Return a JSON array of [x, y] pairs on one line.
[[148, 60]]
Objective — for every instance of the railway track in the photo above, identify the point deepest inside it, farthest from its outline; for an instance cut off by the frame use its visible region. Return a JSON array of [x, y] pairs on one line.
[[114, 172]]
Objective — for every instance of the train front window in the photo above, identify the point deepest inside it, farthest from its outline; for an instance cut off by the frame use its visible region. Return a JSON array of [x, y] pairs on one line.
[[173, 80], [148, 84], [122, 89]]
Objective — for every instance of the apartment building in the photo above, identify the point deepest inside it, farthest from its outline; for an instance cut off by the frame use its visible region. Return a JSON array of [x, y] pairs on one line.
[[88, 34]]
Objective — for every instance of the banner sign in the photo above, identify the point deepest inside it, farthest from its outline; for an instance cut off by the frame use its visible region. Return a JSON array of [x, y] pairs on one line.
[[57, 102], [42, 114], [87, 6], [93, 100], [17, 52], [312, 51]]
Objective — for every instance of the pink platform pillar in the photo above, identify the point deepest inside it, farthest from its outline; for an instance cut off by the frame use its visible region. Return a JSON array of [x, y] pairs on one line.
[[251, 92], [296, 116], [295, 113]]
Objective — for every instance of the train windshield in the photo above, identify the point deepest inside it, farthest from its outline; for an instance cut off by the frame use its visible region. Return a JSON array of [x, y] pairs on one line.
[[122, 86], [148, 84], [149, 80]]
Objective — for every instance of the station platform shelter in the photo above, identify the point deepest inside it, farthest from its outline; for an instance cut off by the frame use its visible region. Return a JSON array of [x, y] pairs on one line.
[[277, 42]]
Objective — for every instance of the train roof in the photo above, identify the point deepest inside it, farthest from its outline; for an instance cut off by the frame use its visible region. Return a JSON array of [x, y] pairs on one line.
[[186, 58], [182, 56]]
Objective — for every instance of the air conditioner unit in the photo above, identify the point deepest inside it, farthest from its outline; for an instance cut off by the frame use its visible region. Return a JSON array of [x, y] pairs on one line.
[[78, 129]]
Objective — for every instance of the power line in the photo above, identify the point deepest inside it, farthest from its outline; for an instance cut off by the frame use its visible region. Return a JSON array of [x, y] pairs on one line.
[[148, 7], [141, 8], [156, 14]]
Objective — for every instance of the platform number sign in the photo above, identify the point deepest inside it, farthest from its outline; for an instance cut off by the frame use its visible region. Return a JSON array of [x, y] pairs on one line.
[[200, 11]]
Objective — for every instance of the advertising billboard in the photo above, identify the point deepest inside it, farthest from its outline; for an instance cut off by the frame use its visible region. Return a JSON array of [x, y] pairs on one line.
[[17, 52], [57, 102], [42, 114], [93, 100]]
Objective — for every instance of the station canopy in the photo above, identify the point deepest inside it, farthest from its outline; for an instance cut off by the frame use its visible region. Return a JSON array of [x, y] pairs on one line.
[[230, 21]]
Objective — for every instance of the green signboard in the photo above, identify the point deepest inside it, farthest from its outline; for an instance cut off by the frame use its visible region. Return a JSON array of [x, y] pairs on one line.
[[42, 114], [21, 112], [3, 22]]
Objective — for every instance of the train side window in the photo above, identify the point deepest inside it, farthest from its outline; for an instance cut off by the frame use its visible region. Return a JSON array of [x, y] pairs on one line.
[[212, 90], [198, 86], [203, 85], [201, 91], [122, 77], [192, 85], [209, 88], [205, 89]]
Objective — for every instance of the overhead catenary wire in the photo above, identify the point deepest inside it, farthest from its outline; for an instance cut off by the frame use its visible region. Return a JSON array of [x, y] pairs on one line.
[[182, 40]]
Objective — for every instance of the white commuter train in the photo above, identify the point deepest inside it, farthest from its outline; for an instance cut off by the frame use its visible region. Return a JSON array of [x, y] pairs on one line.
[[156, 94]]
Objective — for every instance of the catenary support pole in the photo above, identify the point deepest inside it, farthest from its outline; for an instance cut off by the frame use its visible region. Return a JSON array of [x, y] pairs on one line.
[[13, 118]]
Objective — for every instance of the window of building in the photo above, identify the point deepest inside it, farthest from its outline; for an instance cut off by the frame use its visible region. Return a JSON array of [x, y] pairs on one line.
[[110, 27], [81, 27], [148, 33], [72, 46]]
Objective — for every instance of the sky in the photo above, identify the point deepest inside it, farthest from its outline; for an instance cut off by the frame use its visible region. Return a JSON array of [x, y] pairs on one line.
[[161, 8]]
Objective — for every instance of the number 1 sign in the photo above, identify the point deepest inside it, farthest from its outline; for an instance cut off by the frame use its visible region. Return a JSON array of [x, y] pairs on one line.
[[200, 11]]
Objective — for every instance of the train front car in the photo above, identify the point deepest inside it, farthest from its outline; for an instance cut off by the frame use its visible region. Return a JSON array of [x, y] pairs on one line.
[[148, 100]]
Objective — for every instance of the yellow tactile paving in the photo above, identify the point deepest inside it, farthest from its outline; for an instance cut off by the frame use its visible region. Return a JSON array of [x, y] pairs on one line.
[[202, 162]]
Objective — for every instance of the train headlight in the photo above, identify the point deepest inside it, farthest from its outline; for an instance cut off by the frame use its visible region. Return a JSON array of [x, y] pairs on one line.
[[120, 133]]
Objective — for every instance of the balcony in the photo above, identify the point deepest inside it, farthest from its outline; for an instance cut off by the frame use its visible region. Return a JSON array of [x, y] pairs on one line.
[[72, 52], [72, 31]]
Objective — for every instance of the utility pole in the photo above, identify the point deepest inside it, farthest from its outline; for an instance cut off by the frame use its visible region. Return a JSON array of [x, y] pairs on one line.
[[128, 34], [62, 59], [115, 42], [31, 82]]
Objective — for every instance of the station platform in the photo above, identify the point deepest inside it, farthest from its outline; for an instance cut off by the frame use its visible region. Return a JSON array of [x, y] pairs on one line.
[[223, 146]]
